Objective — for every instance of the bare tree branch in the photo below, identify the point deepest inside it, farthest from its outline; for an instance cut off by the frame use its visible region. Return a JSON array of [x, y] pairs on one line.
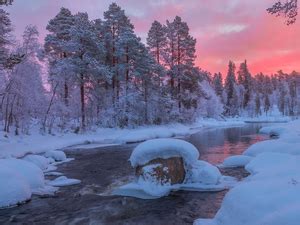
[[289, 10]]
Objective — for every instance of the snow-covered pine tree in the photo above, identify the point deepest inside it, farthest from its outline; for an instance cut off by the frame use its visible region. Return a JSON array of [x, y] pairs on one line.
[[5, 37], [180, 58], [115, 23], [245, 79], [218, 85], [55, 47], [157, 40], [87, 59], [231, 107]]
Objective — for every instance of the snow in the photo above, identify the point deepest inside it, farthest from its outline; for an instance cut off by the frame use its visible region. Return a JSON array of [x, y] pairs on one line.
[[25, 177], [14, 187], [38, 160], [270, 195], [63, 181], [29, 171], [236, 161], [163, 148]]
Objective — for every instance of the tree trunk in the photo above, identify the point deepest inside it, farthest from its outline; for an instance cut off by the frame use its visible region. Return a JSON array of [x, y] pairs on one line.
[[82, 90]]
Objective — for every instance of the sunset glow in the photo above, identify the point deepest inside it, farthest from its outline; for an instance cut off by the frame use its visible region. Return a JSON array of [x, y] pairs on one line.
[[229, 29]]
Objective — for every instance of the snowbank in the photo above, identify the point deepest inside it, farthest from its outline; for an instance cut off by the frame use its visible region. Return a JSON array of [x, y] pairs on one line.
[[236, 161], [163, 148], [270, 195], [14, 187], [20, 178]]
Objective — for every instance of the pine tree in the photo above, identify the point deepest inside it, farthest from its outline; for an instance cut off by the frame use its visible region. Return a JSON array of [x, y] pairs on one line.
[[5, 40], [231, 93], [267, 104], [180, 58], [87, 57], [115, 23], [56, 49], [244, 79], [218, 84], [257, 105], [157, 40]]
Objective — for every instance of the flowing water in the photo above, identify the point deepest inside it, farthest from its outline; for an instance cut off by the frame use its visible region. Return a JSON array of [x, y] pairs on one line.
[[101, 168]]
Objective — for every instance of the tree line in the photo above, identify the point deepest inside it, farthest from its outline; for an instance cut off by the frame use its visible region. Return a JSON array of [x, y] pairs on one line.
[[100, 73]]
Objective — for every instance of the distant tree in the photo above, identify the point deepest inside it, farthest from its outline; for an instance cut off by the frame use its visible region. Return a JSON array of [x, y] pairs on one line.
[[245, 79], [287, 9], [6, 2], [257, 105], [217, 84], [267, 104], [231, 92]]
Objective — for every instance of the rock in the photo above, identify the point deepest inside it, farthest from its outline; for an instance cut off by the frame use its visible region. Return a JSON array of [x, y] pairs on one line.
[[163, 171]]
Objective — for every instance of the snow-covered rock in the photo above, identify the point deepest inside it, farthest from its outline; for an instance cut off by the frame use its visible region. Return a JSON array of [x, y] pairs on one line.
[[165, 165], [163, 148], [236, 161], [56, 155]]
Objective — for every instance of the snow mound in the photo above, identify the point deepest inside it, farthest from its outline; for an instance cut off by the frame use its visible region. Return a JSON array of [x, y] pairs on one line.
[[63, 181], [56, 155], [38, 160], [236, 161], [204, 173], [163, 148], [276, 146], [14, 187], [30, 172]]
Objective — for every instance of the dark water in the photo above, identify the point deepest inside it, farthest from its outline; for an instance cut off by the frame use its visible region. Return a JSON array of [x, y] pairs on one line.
[[101, 168]]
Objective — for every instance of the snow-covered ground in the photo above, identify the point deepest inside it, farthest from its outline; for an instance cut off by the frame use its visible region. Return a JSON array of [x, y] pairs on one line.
[[20, 178], [35, 143], [270, 195]]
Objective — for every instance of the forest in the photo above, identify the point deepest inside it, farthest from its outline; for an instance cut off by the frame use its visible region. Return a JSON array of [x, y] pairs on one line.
[[100, 73]]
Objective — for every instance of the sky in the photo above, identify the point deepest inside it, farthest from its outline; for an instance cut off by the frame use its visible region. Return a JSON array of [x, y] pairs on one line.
[[225, 29]]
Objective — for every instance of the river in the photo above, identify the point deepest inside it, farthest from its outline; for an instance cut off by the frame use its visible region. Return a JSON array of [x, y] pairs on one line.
[[102, 168]]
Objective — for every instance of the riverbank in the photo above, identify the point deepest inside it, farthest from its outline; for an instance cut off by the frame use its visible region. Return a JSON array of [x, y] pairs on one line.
[[36, 143], [270, 195]]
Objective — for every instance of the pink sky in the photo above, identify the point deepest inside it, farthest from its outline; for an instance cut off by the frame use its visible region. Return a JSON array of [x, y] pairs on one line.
[[225, 29]]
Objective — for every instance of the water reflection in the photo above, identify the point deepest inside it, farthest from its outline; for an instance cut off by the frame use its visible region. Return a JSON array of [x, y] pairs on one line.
[[217, 144]]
